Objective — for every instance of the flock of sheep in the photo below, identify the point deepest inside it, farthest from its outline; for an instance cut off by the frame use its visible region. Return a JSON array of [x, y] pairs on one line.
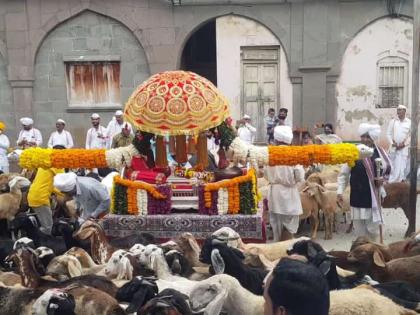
[[78, 270]]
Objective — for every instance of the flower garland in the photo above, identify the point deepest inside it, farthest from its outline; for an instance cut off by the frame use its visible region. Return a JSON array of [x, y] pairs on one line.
[[33, 158], [230, 182], [112, 195], [142, 201], [307, 155], [132, 201], [222, 201], [140, 185], [120, 199], [190, 173], [227, 196], [160, 206]]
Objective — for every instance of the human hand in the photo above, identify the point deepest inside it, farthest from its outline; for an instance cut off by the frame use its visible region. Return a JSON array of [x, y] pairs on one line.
[[379, 181]]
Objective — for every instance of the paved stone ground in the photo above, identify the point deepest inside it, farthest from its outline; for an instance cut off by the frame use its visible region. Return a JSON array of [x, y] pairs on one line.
[[395, 226]]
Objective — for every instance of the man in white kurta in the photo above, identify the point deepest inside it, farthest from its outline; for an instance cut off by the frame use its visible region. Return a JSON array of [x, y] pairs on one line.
[[96, 137], [246, 132], [399, 138], [60, 136], [4, 147], [116, 125], [284, 204], [29, 136]]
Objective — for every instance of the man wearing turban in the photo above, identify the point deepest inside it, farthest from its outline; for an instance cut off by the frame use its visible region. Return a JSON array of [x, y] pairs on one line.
[[365, 187], [283, 197], [4, 146], [60, 136], [92, 197], [29, 136], [399, 139]]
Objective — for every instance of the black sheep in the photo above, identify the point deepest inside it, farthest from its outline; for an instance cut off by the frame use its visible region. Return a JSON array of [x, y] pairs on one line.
[[131, 240], [61, 305], [225, 259], [178, 263], [137, 292], [40, 239], [167, 302], [65, 228]]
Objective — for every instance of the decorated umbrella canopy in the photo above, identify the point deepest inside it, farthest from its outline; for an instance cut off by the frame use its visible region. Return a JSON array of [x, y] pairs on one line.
[[177, 103]]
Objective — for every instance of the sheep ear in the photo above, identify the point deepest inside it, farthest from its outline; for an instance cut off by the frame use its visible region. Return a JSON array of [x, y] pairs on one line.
[[216, 305], [137, 301], [125, 270], [74, 268], [325, 267], [305, 189], [311, 250], [194, 245], [378, 259], [176, 266], [217, 262]]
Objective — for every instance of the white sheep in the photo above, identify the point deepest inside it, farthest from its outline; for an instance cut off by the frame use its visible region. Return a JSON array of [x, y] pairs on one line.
[[153, 258], [272, 251], [225, 292]]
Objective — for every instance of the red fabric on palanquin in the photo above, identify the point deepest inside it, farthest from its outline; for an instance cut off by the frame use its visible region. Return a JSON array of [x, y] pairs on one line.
[[175, 103]]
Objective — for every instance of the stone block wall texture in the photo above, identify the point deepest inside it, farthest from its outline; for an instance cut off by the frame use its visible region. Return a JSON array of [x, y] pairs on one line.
[[149, 36], [87, 34]]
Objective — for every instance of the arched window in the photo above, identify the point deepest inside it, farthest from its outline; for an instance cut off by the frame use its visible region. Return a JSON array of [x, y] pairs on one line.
[[392, 82]]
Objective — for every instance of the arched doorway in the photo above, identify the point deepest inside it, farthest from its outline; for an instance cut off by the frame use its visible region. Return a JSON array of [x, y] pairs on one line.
[[199, 54], [250, 66]]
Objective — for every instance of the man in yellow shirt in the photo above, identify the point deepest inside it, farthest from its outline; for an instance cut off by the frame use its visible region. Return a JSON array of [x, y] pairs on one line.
[[39, 195]]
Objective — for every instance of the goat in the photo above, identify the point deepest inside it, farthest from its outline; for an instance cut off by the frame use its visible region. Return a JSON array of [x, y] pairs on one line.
[[24, 258], [224, 292], [133, 239], [181, 266], [101, 249], [229, 260], [137, 292], [25, 223], [327, 201], [369, 259], [272, 251], [10, 202], [153, 258], [54, 301], [167, 302], [310, 210], [190, 248], [66, 229]]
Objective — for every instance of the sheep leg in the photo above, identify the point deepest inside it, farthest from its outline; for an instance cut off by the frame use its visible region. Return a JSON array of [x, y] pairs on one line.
[[328, 226], [321, 220], [350, 228], [314, 225]]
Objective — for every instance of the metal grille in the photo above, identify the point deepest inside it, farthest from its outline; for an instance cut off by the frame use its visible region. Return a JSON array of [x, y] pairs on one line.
[[391, 85]]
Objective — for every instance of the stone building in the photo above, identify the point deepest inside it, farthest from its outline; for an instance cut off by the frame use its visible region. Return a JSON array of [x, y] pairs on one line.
[[341, 61]]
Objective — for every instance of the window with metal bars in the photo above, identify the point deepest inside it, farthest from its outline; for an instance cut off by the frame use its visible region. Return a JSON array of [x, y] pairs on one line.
[[392, 78]]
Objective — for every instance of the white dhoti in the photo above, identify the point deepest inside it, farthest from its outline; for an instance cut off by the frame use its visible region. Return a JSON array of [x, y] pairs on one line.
[[363, 223], [400, 160]]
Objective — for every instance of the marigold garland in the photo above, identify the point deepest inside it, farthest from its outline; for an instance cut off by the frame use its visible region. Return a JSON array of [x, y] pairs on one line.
[[139, 185], [307, 155], [79, 158], [33, 158], [132, 201], [230, 182]]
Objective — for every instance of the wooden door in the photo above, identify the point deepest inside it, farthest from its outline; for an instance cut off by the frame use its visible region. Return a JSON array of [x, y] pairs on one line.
[[260, 89]]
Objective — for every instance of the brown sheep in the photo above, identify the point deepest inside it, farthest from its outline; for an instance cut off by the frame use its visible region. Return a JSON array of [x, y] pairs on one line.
[[327, 201], [10, 202], [370, 260], [310, 210]]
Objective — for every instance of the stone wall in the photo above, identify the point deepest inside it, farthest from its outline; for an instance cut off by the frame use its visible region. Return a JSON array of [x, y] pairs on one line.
[[314, 35], [357, 92], [88, 35]]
